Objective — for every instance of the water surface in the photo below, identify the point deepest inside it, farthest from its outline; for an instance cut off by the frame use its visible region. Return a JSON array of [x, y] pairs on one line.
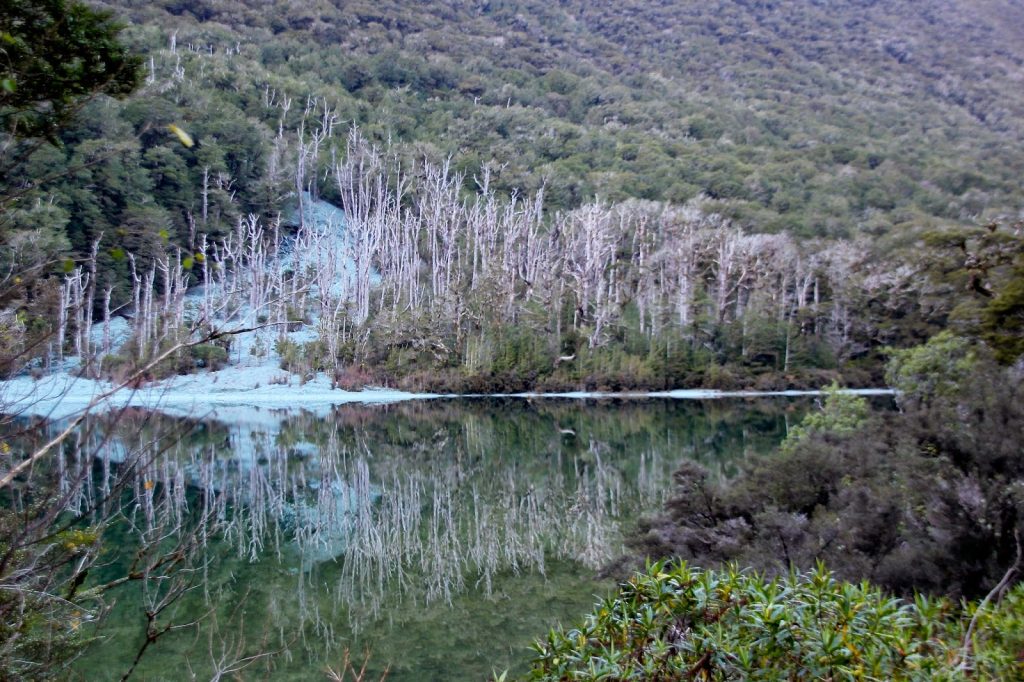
[[440, 536]]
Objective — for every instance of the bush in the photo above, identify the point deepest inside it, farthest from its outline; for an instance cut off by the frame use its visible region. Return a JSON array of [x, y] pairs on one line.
[[208, 356], [304, 359], [933, 370], [679, 623], [288, 351], [841, 413], [925, 500], [521, 353]]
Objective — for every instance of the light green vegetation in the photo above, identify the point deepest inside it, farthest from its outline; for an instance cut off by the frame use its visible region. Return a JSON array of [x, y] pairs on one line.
[[937, 369], [674, 622], [841, 413]]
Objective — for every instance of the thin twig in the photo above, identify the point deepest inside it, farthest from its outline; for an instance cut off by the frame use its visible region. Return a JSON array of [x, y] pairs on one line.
[[994, 596]]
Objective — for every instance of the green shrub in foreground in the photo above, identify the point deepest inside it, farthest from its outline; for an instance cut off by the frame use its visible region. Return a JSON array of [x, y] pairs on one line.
[[679, 623]]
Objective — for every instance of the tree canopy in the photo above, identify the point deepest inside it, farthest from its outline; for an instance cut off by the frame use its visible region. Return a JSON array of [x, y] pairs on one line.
[[54, 55]]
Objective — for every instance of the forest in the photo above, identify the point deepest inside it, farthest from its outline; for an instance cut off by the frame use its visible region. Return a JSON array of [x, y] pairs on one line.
[[505, 196], [654, 229]]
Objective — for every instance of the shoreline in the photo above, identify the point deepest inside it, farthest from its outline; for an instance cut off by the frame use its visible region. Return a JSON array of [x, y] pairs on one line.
[[61, 395]]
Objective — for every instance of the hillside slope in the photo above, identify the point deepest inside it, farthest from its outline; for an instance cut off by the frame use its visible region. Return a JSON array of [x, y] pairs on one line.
[[557, 194], [820, 118]]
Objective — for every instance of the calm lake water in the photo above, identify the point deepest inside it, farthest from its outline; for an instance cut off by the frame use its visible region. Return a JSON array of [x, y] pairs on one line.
[[441, 536]]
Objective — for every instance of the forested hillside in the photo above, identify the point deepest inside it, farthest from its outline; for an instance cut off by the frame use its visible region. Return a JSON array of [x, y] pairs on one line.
[[821, 118], [293, 201], [809, 171]]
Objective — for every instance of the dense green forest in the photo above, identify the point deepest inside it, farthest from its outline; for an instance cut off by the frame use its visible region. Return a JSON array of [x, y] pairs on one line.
[[824, 120]]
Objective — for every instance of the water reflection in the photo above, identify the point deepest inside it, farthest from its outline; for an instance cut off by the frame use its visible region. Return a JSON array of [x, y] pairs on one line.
[[332, 528]]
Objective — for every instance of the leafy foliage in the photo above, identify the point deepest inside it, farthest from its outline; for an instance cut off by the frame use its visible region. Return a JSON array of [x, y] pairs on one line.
[[842, 413], [674, 622], [1003, 321], [53, 55], [938, 368]]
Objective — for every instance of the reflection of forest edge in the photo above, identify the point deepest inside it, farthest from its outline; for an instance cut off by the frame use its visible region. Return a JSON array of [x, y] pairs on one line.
[[375, 510]]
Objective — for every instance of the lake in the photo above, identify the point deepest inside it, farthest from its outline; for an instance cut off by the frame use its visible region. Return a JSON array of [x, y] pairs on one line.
[[438, 537]]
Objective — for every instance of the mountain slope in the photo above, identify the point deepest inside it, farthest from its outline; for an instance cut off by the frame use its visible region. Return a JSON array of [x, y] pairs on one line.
[[820, 118]]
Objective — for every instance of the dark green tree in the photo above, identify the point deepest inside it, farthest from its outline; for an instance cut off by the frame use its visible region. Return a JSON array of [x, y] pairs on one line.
[[1003, 319], [54, 56]]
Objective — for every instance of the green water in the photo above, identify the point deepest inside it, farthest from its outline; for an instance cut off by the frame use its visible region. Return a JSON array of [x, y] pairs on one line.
[[442, 537]]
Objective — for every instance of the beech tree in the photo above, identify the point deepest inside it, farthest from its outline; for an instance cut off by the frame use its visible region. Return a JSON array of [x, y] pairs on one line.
[[54, 56]]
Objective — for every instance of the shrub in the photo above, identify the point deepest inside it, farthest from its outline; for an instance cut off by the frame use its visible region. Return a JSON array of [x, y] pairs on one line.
[[258, 349], [304, 359], [841, 413], [679, 623], [520, 353], [209, 356], [351, 378], [933, 370], [925, 500]]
